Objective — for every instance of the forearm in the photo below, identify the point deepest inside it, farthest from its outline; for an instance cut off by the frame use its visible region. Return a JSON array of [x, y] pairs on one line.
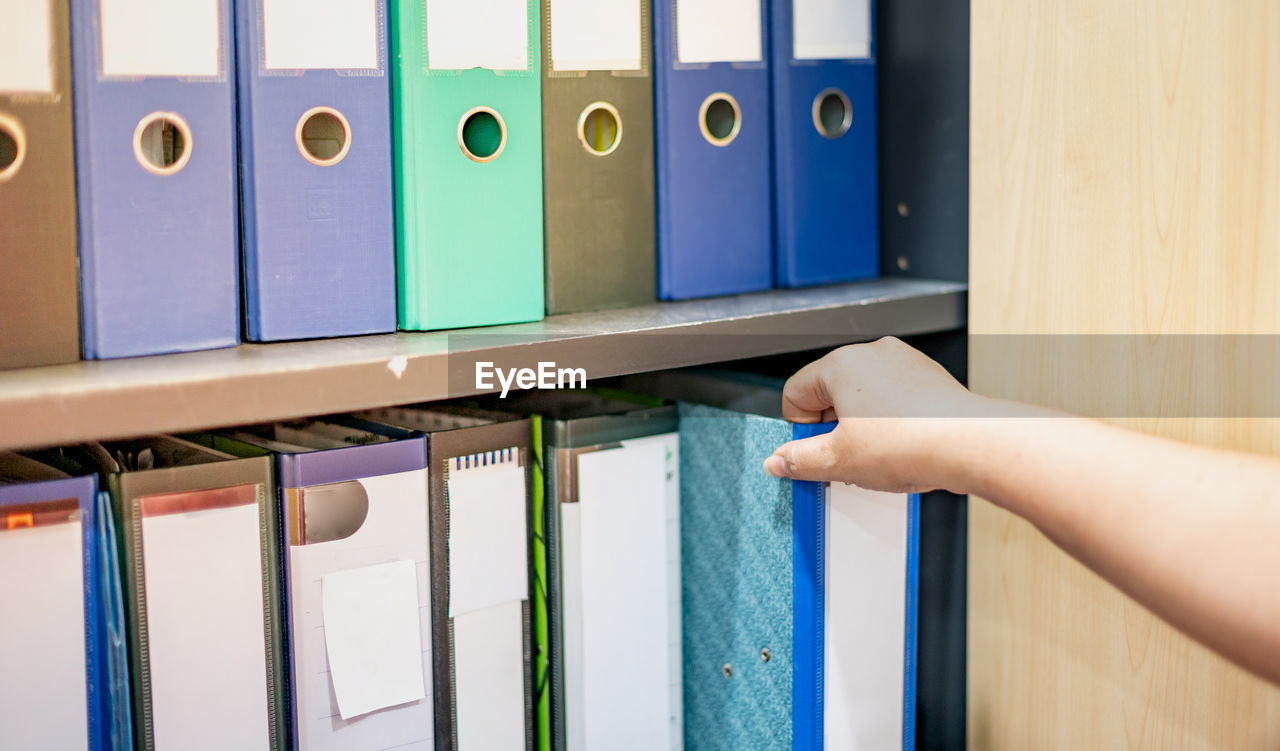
[[1191, 532]]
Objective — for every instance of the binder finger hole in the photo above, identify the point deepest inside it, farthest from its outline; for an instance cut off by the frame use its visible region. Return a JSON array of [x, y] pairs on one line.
[[600, 128], [162, 143], [323, 136], [13, 147], [482, 134], [720, 119], [832, 113]]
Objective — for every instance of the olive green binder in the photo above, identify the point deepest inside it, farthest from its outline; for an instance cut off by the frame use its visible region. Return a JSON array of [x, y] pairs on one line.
[[467, 137], [40, 283], [190, 490], [597, 133]]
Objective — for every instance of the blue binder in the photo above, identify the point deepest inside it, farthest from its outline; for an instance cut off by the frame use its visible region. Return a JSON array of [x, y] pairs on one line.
[[155, 175], [39, 507], [315, 179], [825, 143], [753, 553], [811, 526], [713, 148]]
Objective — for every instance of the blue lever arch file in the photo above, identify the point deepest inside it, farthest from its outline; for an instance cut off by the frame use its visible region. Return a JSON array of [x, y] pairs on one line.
[[856, 565], [315, 138], [64, 621], [767, 566], [825, 141], [155, 175], [712, 138]]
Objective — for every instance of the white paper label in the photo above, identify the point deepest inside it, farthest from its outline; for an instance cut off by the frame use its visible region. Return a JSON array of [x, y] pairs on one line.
[[595, 35], [42, 698], [625, 617], [466, 34], [718, 31], [865, 600], [203, 574], [488, 558], [161, 38], [831, 29], [26, 47], [488, 670], [372, 636], [324, 34]]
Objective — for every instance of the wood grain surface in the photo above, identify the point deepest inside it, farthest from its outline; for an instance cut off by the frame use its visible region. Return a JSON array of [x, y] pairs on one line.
[[1125, 180]]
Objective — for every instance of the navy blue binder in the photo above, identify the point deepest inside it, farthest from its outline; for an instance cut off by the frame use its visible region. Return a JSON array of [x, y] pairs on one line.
[[711, 107], [315, 138], [866, 718], [155, 175], [825, 141]]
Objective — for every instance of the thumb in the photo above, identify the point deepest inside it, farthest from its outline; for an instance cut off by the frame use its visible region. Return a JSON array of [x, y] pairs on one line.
[[807, 459]]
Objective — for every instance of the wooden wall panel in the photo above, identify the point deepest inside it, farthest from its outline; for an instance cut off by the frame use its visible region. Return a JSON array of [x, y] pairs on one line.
[[1125, 179]]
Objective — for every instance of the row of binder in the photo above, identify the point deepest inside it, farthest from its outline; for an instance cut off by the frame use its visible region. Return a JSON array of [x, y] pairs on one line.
[[558, 571], [341, 167]]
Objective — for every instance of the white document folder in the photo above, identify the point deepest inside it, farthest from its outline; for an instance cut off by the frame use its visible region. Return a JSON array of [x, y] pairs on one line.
[[620, 553], [488, 597]]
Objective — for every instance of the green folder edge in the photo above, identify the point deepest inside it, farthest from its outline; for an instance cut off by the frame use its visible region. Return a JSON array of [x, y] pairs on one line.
[[429, 296], [541, 631]]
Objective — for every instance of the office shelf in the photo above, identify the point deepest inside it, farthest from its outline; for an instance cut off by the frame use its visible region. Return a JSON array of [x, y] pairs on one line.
[[258, 382]]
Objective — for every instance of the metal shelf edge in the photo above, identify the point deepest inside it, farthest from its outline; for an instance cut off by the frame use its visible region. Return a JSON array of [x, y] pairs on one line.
[[260, 382]]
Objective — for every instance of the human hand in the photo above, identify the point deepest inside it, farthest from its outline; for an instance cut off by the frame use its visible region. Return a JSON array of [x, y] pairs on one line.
[[898, 412]]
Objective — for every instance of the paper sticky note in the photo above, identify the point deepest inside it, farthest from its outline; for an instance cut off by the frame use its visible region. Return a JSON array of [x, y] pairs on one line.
[[372, 637]]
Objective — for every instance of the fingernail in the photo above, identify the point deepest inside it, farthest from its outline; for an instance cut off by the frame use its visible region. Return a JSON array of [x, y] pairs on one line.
[[777, 466]]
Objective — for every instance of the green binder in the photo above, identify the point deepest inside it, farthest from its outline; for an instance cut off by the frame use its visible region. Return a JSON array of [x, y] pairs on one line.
[[467, 114]]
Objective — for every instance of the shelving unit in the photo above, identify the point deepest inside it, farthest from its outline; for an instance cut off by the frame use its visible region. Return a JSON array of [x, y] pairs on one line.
[[259, 382]]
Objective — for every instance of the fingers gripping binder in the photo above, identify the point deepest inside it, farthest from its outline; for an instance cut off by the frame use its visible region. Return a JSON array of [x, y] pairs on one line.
[[155, 175], [315, 134], [826, 165], [799, 600]]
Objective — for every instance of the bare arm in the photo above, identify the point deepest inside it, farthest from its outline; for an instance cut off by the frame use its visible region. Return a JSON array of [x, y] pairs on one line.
[[1191, 532]]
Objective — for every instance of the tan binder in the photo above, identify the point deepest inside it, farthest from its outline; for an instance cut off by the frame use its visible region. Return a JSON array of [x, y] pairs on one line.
[[597, 102], [39, 284]]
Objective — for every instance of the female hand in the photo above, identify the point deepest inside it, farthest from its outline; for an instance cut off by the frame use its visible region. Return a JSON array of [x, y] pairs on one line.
[[898, 413]]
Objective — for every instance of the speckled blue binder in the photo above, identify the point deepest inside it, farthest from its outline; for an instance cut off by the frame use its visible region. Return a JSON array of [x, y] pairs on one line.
[[736, 548]]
